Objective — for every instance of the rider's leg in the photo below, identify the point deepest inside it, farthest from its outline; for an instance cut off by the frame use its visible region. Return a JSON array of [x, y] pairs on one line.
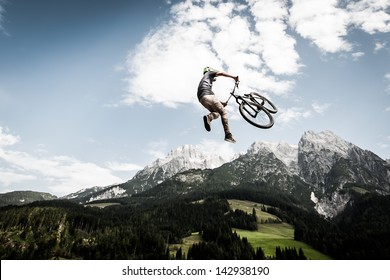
[[208, 101], [216, 108], [225, 123]]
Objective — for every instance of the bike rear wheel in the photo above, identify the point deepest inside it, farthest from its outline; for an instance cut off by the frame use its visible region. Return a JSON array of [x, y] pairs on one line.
[[255, 113]]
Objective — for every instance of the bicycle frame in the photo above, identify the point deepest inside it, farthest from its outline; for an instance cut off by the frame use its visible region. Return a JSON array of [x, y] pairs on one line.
[[254, 105]]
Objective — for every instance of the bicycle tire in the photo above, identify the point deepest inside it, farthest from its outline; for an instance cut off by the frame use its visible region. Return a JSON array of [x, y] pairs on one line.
[[267, 104], [255, 114]]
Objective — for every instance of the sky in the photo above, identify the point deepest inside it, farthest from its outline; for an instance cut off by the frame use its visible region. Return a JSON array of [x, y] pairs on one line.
[[91, 91]]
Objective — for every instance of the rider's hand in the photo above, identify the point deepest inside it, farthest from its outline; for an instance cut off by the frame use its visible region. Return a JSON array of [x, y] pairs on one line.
[[237, 79], [224, 104]]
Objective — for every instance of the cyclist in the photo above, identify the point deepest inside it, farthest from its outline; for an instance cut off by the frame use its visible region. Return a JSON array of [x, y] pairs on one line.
[[208, 99]]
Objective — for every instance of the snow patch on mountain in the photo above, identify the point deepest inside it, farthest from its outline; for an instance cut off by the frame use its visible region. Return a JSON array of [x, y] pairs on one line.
[[83, 192], [114, 192], [329, 207], [181, 159]]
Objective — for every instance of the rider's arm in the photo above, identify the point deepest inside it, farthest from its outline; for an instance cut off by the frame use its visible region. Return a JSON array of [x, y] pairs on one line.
[[219, 73]]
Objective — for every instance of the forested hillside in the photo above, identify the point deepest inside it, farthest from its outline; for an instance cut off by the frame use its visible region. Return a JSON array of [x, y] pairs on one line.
[[58, 229], [143, 228]]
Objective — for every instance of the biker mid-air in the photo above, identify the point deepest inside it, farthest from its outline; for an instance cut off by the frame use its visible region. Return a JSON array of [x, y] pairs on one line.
[[253, 107]]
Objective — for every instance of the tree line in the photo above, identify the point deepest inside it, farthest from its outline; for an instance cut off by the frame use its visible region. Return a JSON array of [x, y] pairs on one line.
[[361, 231], [64, 230]]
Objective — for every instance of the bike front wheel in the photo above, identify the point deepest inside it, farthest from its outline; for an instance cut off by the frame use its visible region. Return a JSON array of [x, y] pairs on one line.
[[266, 103], [255, 113]]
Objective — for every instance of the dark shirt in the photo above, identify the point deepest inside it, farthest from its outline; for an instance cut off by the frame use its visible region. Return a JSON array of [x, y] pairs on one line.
[[206, 84]]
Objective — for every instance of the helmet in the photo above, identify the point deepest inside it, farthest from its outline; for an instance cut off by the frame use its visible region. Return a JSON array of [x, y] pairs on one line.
[[206, 69]]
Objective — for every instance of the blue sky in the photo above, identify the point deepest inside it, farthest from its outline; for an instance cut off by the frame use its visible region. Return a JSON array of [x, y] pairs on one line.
[[92, 91]]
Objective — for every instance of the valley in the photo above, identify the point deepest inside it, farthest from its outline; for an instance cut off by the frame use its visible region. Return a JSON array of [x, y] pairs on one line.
[[271, 233]]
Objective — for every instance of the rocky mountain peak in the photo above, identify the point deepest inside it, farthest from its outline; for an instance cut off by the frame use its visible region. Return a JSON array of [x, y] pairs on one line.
[[187, 157], [287, 153], [330, 164], [324, 141], [317, 154], [179, 160]]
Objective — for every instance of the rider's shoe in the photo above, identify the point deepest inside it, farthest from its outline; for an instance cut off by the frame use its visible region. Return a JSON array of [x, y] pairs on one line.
[[206, 122], [229, 138]]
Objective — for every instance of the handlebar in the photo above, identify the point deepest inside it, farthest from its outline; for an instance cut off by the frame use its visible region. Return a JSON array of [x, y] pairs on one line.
[[232, 92]]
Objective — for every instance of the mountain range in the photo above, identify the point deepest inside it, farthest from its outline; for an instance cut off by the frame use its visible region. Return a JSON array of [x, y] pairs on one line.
[[321, 171], [23, 197]]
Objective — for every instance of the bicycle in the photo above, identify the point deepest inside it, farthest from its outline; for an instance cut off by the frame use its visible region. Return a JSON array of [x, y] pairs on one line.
[[255, 108]]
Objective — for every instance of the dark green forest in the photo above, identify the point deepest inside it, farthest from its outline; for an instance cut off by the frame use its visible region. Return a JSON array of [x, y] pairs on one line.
[[137, 229]]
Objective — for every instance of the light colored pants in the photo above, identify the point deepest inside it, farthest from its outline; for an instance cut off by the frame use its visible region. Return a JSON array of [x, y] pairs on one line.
[[211, 103]]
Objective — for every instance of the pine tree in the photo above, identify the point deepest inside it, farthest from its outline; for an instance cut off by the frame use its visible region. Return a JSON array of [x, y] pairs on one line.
[[179, 254]]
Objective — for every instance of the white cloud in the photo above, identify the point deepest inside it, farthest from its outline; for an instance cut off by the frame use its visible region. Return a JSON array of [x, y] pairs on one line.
[[9, 177], [379, 46], [7, 139], [293, 114], [385, 143], [123, 166], [166, 66], [60, 174], [321, 22], [224, 150], [357, 55], [278, 48], [327, 23], [157, 149], [387, 79], [370, 15], [320, 108], [252, 39]]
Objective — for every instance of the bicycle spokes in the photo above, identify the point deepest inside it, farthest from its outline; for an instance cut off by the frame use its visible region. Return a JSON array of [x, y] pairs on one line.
[[257, 110], [256, 115], [268, 105]]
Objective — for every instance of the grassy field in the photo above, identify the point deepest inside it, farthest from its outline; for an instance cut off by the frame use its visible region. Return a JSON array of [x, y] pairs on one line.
[[102, 205], [269, 241], [187, 243], [272, 232], [247, 206]]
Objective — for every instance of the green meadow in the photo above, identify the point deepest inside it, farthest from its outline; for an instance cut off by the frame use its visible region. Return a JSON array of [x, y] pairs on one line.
[[188, 241], [271, 232]]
